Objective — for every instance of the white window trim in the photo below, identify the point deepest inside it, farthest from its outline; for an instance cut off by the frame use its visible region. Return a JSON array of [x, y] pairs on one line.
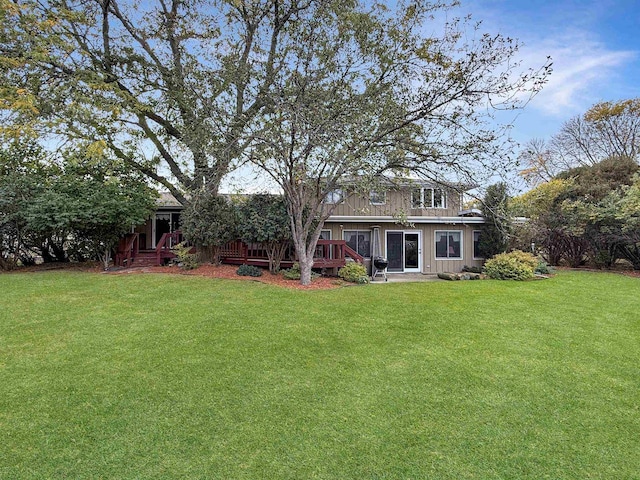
[[473, 232], [443, 198], [344, 233], [435, 248]]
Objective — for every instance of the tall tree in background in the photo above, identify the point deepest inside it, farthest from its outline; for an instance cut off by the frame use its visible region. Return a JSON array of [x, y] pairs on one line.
[[495, 232], [606, 130]]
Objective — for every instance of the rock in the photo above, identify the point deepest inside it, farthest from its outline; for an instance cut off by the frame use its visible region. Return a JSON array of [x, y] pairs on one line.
[[449, 276]]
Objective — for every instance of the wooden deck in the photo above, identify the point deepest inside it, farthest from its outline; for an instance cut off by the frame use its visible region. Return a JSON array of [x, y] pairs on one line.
[[330, 254]]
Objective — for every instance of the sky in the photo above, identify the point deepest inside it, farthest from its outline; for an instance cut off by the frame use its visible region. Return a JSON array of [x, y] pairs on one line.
[[594, 46]]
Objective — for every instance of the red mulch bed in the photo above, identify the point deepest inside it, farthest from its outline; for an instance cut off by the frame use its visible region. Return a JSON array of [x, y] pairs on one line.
[[229, 272]]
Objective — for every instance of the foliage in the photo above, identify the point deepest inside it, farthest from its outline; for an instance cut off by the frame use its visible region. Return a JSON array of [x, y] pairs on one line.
[[263, 219], [249, 271], [80, 205], [186, 259], [293, 273], [354, 272], [543, 268], [495, 231], [209, 221], [516, 265], [586, 214], [606, 130]]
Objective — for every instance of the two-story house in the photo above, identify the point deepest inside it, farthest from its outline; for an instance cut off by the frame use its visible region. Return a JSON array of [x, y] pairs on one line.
[[419, 227]]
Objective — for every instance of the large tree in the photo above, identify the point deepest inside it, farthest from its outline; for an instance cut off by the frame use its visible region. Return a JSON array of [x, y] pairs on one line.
[[170, 86], [606, 130], [367, 93]]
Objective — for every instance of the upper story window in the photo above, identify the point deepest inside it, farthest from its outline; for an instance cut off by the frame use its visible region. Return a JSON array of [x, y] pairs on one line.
[[377, 198], [334, 196], [428, 198]]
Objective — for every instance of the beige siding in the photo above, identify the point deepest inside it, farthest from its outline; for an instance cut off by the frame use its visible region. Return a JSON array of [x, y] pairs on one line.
[[428, 248], [397, 201], [146, 234]]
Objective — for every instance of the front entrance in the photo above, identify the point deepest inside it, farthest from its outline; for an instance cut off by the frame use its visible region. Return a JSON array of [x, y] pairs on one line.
[[165, 222], [404, 252]]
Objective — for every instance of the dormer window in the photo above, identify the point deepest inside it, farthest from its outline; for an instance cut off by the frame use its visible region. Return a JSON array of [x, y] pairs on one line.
[[334, 197], [377, 198], [428, 198]]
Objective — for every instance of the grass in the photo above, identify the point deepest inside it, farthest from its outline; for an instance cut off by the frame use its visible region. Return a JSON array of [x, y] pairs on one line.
[[142, 376]]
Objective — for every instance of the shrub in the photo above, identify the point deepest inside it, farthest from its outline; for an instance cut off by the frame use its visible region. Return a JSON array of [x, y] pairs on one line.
[[186, 259], [293, 273], [516, 265], [354, 272], [249, 271], [543, 268], [472, 269]]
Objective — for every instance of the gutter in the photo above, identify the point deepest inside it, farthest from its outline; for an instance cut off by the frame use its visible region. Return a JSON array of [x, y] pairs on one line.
[[413, 219]]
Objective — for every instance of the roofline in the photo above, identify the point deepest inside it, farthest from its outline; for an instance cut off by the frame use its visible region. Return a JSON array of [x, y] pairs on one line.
[[419, 220]]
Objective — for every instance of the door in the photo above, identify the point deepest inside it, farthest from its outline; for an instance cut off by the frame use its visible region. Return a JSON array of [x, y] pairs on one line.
[[163, 225], [404, 251]]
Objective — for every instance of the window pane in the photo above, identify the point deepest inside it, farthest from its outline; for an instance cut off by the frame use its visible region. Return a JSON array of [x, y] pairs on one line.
[[335, 196], [364, 244], [476, 244], [438, 198], [352, 239], [454, 245], [428, 198], [441, 244], [377, 198], [416, 198]]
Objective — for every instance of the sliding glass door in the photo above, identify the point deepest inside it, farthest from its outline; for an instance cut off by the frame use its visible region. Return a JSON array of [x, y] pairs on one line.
[[404, 251]]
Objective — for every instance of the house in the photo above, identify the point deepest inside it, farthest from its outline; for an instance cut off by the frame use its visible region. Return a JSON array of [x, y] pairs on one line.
[[420, 227]]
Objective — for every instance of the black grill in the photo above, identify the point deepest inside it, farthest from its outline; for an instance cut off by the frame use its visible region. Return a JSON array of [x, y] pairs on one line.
[[380, 263]]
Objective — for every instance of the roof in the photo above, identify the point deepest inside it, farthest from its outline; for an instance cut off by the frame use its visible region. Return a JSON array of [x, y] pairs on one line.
[[167, 200]]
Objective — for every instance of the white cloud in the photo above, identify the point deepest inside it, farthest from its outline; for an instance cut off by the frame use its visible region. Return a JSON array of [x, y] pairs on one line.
[[582, 71]]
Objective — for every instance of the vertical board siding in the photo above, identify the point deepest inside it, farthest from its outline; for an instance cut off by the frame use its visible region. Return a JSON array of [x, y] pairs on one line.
[[429, 262]]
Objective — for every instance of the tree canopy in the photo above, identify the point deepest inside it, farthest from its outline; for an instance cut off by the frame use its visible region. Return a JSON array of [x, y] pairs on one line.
[[606, 130], [78, 205]]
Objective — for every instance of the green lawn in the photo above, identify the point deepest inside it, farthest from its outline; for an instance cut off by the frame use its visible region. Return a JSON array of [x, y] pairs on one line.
[[150, 376]]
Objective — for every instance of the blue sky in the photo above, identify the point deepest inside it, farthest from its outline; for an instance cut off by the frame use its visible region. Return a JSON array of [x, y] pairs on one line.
[[595, 47]]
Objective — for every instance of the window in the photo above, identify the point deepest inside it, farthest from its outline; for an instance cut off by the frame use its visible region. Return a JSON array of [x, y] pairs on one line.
[[334, 196], [377, 198], [428, 198], [448, 244], [416, 198], [323, 250], [476, 244], [359, 240]]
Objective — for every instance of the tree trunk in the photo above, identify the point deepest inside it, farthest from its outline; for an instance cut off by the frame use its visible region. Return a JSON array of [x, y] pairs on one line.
[[306, 263], [105, 258]]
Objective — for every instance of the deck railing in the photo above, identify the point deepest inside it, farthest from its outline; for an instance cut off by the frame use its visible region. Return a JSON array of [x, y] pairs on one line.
[[166, 243], [328, 254], [128, 248]]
